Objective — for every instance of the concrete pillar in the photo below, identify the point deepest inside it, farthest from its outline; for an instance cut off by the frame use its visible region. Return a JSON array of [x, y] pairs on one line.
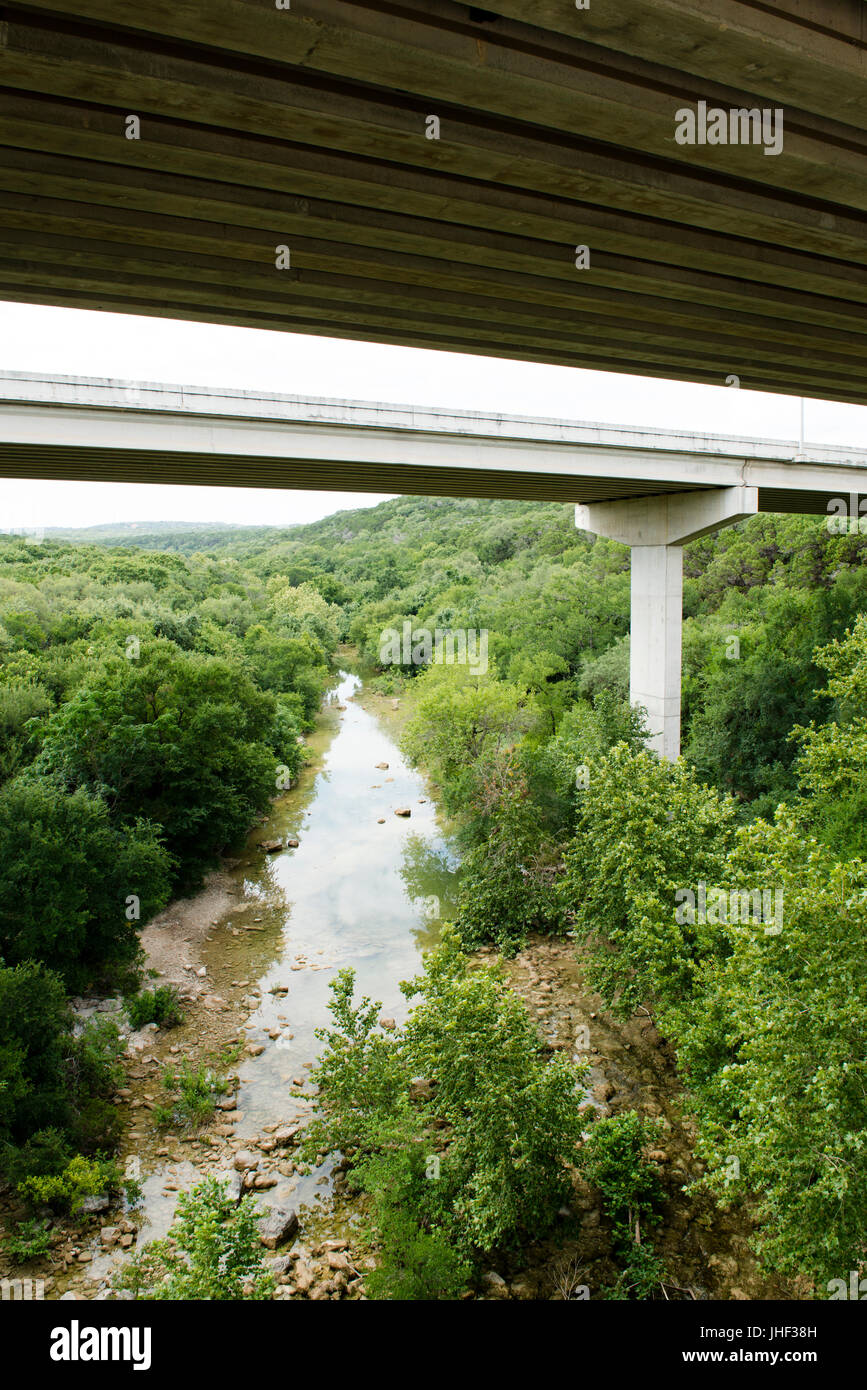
[[656, 621], [657, 529]]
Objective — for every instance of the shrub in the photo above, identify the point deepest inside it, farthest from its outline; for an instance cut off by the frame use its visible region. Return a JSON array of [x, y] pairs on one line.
[[160, 1006], [484, 1159], [414, 1264], [66, 872], [506, 882], [35, 1027], [65, 1192], [774, 1057], [192, 1096], [613, 1158], [32, 1240], [645, 829], [213, 1252]]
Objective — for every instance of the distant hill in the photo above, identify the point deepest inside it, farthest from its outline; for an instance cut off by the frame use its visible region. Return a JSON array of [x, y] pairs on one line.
[[185, 537]]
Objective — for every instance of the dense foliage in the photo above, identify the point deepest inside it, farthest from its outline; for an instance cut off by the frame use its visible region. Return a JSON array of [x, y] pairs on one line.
[[150, 707], [471, 1158], [211, 1252], [152, 694]]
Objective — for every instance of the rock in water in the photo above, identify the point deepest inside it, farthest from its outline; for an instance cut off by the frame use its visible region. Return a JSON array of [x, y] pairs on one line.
[[91, 1205], [403, 811], [277, 1226], [271, 846]]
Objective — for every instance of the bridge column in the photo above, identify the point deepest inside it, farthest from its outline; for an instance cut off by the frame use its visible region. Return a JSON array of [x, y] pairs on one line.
[[657, 529]]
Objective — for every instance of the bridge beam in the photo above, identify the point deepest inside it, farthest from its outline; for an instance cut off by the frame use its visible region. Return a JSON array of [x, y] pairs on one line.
[[657, 529]]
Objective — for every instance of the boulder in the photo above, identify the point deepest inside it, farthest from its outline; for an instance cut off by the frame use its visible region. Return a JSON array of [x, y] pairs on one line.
[[285, 1134], [387, 1023], [276, 1227], [403, 811], [383, 767], [91, 1205], [271, 846], [495, 1285]]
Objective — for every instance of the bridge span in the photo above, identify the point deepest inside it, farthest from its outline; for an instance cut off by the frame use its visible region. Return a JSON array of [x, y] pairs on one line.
[[653, 490]]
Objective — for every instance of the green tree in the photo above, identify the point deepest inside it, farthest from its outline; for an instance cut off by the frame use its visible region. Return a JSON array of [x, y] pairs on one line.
[[213, 1252], [645, 830], [177, 738], [67, 878]]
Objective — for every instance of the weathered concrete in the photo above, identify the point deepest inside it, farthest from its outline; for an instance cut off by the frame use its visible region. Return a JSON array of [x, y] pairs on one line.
[[656, 529], [308, 127], [115, 431]]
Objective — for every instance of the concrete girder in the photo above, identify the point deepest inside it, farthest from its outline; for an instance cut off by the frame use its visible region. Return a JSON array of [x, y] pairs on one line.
[[733, 37], [556, 132], [331, 272], [608, 160], [523, 74], [90, 133]]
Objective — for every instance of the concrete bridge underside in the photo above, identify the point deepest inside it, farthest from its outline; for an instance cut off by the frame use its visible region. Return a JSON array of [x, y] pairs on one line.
[[307, 126], [652, 490]]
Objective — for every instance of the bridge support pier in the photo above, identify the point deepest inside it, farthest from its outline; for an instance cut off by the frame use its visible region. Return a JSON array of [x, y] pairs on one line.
[[657, 529]]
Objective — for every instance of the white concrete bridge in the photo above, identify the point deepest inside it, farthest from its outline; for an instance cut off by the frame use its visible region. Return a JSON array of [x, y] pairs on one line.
[[653, 490]]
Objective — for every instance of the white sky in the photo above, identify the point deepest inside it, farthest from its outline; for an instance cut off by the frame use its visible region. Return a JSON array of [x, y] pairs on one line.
[[85, 343]]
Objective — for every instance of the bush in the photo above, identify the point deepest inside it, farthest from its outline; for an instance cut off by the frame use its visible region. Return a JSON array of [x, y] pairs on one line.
[[32, 1240], [613, 1158], [65, 1192], [507, 877], [414, 1264], [645, 829], [192, 1096], [177, 737], [160, 1006], [35, 1032], [774, 1057], [484, 1160], [213, 1252]]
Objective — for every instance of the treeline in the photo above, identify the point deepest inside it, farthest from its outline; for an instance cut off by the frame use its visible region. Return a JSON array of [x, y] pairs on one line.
[[151, 705]]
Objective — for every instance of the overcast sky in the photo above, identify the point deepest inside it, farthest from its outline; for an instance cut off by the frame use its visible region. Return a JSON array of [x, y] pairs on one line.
[[84, 343]]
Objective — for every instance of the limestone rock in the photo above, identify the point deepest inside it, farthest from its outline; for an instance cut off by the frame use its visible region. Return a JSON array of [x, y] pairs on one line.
[[277, 1226]]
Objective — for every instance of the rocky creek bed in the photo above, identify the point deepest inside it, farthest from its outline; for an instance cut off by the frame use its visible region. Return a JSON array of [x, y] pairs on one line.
[[344, 872]]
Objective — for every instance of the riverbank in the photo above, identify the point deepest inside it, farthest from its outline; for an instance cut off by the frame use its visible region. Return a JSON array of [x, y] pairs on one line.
[[252, 955]]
